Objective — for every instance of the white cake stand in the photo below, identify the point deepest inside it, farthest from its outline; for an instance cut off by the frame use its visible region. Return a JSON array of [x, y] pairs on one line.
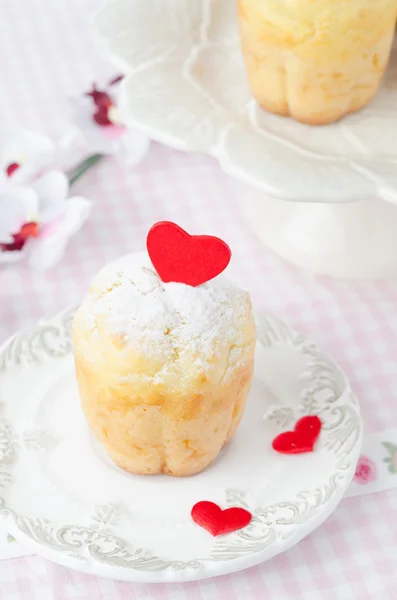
[[322, 197]]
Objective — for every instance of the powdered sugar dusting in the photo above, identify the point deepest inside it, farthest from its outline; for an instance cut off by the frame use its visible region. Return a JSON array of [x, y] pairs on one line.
[[163, 320]]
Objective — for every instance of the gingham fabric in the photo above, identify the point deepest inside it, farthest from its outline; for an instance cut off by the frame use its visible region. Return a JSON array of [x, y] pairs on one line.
[[45, 57]]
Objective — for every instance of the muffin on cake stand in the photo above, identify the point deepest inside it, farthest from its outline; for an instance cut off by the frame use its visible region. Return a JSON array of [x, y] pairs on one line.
[[322, 197]]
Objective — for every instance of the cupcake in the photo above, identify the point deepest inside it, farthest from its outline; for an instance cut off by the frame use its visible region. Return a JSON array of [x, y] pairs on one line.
[[163, 369], [316, 60]]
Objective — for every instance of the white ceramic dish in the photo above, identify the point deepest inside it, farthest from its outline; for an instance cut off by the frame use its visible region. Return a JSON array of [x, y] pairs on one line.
[[187, 88], [62, 498]]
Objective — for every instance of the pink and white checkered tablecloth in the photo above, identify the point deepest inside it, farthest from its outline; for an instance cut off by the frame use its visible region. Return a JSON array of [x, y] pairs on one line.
[[45, 57]]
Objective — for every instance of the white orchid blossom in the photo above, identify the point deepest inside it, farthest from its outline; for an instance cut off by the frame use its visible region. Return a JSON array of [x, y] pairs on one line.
[[23, 155], [97, 119], [37, 216]]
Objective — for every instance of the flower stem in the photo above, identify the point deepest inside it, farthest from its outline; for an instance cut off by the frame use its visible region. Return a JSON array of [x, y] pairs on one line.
[[83, 167]]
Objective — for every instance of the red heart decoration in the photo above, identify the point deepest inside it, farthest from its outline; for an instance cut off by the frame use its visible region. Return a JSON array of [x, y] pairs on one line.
[[217, 521], [302, 439], [183, 258]]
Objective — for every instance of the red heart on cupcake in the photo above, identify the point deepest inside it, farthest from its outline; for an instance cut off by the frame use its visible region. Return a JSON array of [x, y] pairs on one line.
[[302, 439], [217, 521], [183, 258]]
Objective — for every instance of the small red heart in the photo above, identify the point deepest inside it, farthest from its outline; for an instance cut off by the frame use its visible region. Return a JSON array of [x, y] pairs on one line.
[[183, 258], [217, 521], [302, 439]]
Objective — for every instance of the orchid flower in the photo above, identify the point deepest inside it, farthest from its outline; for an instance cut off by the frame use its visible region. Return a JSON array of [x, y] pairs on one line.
[[24, 155], [96, 117], [37, 215]]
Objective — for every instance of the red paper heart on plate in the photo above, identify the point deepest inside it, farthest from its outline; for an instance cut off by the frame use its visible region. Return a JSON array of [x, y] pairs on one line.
[[302, 439], [183, 258], [217, 521]]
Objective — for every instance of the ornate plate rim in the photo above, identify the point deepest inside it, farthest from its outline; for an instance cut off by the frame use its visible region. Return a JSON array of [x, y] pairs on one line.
[[50, 339]]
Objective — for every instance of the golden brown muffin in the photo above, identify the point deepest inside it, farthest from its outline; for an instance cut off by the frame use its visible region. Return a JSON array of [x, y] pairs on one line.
[[163, 369], [316, 60]]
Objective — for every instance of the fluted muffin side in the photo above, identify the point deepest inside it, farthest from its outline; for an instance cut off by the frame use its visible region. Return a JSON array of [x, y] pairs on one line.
[[316, 61]]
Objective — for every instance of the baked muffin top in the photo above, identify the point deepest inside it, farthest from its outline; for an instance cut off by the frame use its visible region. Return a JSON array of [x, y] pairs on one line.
[[170, 325]]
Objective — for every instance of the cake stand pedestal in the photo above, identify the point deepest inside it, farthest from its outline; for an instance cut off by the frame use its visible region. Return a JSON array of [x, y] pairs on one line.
[[353, 240]]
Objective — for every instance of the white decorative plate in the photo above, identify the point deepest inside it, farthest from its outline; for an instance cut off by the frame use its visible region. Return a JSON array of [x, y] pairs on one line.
[[64, 499], [187, 88]]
